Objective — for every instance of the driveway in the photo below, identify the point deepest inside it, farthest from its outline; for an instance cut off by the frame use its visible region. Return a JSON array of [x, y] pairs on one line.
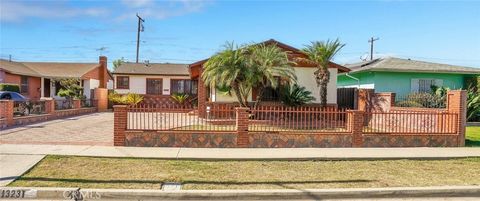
[[91, 129]]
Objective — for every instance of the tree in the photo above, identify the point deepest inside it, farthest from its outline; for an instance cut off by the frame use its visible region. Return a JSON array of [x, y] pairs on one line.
[[229, 69], [321, 53], [70, 88], [268, 62], [238, 69], [117, 63]]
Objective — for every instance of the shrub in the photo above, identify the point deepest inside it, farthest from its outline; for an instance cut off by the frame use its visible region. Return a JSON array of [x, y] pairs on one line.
[[408, 104], [9, 87], [473, 105], [128, 99], [295, 95], [180, 98]]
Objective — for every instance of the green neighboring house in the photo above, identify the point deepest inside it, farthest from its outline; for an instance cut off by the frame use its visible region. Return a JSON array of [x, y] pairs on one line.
[[404, 76]]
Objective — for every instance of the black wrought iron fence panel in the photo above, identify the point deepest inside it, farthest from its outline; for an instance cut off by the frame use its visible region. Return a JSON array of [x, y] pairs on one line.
[[28, 107]]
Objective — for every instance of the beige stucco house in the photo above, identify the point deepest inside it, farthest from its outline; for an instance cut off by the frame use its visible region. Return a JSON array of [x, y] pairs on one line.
[[304, 72]]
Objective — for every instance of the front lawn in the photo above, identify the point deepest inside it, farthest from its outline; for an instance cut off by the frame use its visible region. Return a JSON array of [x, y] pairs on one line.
[[91, 172], [472, 138]]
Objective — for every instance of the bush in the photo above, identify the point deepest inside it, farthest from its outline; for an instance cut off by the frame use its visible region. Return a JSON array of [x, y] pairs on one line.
[[9, 87], [473, 105], [180, 98], [408, 104], [128, 99], [295, 95]]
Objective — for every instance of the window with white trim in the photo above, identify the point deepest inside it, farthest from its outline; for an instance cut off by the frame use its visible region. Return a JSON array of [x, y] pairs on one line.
[[425, 85]]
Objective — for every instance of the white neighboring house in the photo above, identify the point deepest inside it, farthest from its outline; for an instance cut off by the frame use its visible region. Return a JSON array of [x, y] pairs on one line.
[[153, 79]]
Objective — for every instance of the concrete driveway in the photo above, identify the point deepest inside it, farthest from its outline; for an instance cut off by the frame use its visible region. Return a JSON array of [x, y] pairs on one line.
[[90, 129]]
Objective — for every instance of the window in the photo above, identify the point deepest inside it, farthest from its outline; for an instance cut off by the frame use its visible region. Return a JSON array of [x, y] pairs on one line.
[[273, 94], [425, 85], [123, 82], [183, 86], [154, 86], [24, 85]]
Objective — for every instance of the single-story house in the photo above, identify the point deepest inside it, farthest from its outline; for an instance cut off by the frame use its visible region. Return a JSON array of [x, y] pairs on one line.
[[304, 72], [404, 76], [37, 79], [153, 79], [157, 81]]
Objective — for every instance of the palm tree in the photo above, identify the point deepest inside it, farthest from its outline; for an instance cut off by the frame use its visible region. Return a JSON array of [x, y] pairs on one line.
[[321, 53], [229, 69], [238, 69], [268, 62]]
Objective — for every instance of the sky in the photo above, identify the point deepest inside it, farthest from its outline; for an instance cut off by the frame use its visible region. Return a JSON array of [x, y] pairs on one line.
[[182, 31]]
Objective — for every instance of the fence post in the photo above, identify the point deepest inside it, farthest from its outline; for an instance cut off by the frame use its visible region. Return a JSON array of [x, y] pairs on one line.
[[242, 126], [355, 123], [6, 111], [77, 104], [457, 103], [49, 106], [119, 124]]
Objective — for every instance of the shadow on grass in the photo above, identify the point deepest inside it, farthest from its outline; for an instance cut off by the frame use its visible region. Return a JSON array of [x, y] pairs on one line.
[[87, 181], [472, 143]]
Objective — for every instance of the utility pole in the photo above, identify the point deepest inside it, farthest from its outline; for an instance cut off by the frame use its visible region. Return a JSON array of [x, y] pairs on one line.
[[371, 46], [140, 29], [9, 58]]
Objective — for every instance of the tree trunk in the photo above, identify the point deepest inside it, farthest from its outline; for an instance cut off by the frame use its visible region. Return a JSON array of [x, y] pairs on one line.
[[322, 76], [259, 97], [239, 96]]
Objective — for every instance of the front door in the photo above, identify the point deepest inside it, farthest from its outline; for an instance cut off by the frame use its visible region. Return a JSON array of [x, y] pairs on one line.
[[46, 87]]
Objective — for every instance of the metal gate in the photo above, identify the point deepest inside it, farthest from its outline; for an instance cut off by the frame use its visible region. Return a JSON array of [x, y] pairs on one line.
[[347, 98]]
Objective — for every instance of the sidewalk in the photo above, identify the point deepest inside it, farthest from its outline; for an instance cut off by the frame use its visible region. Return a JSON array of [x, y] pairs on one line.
[[242, 153]]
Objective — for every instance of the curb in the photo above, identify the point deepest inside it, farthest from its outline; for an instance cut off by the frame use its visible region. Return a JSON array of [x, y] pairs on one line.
[[287, 194]]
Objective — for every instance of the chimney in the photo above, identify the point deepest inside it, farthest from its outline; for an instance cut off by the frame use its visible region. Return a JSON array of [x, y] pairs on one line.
[[102, 73]]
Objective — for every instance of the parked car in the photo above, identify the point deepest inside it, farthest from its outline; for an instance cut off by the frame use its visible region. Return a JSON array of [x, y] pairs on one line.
[[10, 95]]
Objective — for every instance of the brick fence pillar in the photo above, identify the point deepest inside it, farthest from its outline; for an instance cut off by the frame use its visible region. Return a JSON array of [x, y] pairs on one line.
[[101, 98], [6, 111], [202, 96], [355, 124], [119, 124], [77, 104], [242, 126], [457, 103], [364, 99], [49, 106]]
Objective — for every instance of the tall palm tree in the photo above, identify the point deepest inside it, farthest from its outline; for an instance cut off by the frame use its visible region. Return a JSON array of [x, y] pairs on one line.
[[268, 62], [321, 53], [229, 69]]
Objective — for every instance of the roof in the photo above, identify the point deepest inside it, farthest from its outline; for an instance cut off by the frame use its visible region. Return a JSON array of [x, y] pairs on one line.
[[292, 53], [152, 69], [64, 70], [48, 69], [407, 65], [17, 68]]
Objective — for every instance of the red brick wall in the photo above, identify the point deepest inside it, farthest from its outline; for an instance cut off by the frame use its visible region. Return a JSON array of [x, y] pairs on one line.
[[33, 84]]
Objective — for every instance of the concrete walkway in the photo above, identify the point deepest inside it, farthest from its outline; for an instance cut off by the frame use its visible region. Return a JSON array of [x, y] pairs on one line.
[[13, 166], [246, 153]]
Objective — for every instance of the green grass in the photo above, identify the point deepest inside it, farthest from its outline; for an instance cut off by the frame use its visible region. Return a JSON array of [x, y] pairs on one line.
[[91, 172], [472, 138]]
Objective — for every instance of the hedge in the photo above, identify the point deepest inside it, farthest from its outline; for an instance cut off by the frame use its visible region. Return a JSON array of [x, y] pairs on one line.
[[9, 87]]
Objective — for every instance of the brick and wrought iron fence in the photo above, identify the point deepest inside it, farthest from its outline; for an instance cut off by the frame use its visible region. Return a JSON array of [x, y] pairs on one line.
[[279, 126]]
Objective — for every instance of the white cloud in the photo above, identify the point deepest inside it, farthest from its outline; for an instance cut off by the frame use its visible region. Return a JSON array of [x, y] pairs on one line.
[[14, 11]]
